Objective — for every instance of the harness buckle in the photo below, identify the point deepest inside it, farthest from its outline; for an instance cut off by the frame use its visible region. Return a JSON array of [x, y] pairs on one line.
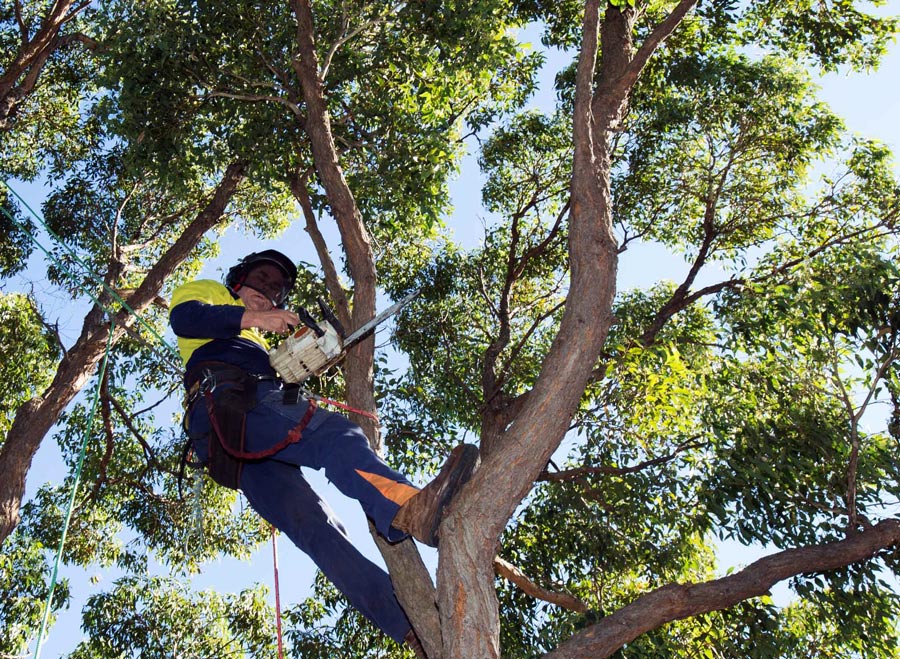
[[207, 383]]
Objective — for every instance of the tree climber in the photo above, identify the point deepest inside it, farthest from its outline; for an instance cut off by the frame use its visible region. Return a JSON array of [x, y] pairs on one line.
[[253, 433]]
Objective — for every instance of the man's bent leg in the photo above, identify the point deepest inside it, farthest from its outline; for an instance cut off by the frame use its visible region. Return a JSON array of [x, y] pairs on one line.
[[340, 447], [396, 507], [280, 494]]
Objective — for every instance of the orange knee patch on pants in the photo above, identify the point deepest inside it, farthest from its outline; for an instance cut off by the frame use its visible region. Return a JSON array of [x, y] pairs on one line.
[[399, 493]]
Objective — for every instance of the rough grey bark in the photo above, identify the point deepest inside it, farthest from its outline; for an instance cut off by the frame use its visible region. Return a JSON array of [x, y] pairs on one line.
[[35, 418]]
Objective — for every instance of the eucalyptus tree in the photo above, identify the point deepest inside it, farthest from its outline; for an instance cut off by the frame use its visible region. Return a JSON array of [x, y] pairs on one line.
[[357, 110], [711, 163], [169, 234], [720, 404], [165, 617], [711, 160]]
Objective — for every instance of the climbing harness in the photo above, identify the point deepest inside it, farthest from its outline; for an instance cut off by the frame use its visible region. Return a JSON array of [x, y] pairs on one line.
[[229, 393]]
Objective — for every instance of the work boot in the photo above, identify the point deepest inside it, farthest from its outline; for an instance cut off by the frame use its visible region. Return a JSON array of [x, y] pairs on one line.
[[421, 516], [413, 641]]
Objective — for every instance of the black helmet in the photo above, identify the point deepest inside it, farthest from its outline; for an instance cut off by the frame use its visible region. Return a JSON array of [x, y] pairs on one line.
[[237, 274]]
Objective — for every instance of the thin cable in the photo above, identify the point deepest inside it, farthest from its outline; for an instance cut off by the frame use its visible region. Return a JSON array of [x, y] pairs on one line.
[[62, 540], [277, 595], [91, 274]]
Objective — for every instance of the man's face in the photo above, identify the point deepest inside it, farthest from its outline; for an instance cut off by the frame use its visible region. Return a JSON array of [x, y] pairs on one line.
[[267, 280]]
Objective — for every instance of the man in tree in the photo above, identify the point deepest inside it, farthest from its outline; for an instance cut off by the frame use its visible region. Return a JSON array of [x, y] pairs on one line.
[[253, 433]]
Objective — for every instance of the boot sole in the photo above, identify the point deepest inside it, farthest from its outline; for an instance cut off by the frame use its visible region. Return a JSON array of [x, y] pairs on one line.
[[461, 465]]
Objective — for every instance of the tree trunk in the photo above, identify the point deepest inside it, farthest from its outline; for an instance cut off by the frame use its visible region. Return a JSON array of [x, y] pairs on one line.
[[354, 236], [411, 581], [467, 599], [35, 418]]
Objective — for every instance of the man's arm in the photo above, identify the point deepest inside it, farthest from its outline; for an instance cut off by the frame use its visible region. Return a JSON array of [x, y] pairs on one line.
[[198, 320], [274, 320], [205, 309]]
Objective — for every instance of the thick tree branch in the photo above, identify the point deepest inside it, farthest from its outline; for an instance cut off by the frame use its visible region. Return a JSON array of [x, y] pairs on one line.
[[354, 236], [679, 601], [33, 54], [471, 529], [35, 418], [659, 34], [582, 137], [332, 280]]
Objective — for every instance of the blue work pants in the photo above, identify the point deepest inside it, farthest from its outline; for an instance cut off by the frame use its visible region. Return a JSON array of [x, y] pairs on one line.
[[276, 489]]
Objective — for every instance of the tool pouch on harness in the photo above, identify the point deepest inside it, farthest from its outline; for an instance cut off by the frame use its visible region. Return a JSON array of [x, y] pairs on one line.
[[228, 413], [229, 394]]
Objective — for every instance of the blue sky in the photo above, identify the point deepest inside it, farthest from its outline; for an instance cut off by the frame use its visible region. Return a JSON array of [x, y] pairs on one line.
[[870, 105]]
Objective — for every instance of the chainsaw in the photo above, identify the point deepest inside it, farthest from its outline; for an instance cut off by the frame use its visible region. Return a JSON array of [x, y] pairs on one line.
[[316, 346]]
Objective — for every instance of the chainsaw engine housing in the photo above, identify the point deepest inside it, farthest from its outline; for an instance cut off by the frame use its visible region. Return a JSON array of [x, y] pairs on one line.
[[303, 354]]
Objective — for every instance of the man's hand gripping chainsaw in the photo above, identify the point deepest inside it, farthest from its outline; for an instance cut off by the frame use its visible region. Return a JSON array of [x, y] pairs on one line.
[[315, 347]]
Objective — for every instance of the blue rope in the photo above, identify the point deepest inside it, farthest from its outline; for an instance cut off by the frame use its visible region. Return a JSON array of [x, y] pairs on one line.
[[77, 476]]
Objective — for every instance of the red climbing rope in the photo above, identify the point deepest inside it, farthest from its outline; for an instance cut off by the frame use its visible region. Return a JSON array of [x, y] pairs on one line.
[[277, 594], [343, 406]]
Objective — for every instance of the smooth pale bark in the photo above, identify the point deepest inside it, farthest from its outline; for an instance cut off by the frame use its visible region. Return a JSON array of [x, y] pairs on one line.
[[35, 418]]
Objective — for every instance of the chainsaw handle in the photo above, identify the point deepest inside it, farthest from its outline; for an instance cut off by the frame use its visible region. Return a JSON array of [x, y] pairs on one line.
[[309, 321], [329, 316]]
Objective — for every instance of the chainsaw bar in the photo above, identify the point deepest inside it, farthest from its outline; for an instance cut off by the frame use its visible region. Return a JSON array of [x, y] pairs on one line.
[[377, 320]]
